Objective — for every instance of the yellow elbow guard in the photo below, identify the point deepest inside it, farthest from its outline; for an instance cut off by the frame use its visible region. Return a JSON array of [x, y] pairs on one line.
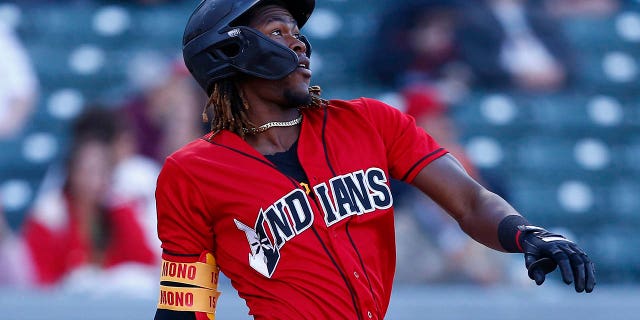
[[190, 286]]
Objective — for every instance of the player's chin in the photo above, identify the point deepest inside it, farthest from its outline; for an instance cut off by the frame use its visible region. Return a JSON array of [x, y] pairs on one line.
[[297, 97], [300, 85]]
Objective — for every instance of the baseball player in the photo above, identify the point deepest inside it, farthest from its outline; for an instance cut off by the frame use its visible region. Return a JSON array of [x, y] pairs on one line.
[[289, 194]]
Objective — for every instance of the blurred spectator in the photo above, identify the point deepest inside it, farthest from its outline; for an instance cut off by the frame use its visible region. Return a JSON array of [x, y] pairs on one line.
[[451, 45], [133, 177], [164, 113], [427, 108], [79, 223], [515, 44], [426, 231], [15, 264], [18, 84], [453, 256], [581, 8], [416, 42]]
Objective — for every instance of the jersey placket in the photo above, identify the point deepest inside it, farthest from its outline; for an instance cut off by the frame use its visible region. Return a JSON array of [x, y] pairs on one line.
[[320, 169], [347, 256], [341, 249]]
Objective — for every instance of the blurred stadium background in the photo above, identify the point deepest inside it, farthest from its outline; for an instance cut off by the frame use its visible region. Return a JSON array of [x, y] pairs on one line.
[[569, 159]]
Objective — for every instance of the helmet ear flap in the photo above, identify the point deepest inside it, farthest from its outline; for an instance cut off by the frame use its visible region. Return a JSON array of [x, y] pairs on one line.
[[226, 50], [307, 44], [262, 57]]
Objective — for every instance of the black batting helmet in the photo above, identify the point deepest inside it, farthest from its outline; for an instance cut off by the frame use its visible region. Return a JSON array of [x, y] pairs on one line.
[[214, 47]]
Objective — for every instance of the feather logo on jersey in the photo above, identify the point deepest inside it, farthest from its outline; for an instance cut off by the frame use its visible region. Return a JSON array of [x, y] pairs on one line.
[[287, 217], [351, 194]]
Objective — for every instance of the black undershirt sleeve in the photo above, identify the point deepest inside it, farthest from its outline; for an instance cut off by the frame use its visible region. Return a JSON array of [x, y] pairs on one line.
[[162, 314]]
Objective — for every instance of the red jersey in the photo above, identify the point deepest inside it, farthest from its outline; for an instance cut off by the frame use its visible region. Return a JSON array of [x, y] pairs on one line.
[[323, 252]]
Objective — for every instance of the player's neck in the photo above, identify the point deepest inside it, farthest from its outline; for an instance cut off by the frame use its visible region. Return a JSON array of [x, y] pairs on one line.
[[260, 116], [277, 127], [274, 140]]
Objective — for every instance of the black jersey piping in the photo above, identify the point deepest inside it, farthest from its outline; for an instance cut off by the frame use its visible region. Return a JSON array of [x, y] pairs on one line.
[[295, 183], [324, 144], [344, 277], [333, 172], [419, 162], [243, 153], [366, 274]]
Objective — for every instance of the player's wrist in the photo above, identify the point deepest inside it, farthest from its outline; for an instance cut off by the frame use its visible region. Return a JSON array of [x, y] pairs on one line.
[[534, 234], [510, 231]]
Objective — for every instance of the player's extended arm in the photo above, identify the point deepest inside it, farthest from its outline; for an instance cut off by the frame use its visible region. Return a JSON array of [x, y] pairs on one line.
[[490, 220], [477, 210]]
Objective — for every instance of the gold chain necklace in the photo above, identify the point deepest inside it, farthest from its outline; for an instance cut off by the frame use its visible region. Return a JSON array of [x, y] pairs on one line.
[[272, 124]]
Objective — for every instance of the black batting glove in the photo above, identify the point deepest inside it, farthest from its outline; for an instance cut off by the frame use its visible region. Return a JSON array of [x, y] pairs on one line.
[[544, 251]]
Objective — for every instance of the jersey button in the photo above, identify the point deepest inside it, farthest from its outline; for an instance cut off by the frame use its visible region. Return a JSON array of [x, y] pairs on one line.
[[355, 274], [370, 315]]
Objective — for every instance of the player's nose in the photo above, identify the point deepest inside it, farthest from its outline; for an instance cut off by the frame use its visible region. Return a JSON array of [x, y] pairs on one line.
[[297, 45]]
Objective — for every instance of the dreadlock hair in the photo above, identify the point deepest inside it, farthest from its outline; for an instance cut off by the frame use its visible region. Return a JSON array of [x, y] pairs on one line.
[[229, 109]]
